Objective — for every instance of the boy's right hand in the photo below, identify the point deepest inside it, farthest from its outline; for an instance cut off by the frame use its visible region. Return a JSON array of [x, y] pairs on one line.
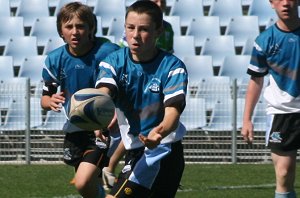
[[247, 132], [56, 101]]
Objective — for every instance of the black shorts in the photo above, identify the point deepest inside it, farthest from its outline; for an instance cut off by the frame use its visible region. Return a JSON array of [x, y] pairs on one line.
[[81, 147], [285, 132], [166, 182]]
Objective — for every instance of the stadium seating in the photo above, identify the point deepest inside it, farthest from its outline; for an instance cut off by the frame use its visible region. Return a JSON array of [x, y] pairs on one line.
[[6, 67], [175, 22], [235, 66], [247, 48], [10, 27], [184, 46], [44, 28], [198, 67], [242, 28], [4, 8], [99, 31], [52, 44], [213, 89], [32, 67], [108, 11], [20, 47], [218, 47], [54, 121], [32, 9], [194, 114], [116, 28], [203, 27], [187, 10], [263, 10], [226, 9]]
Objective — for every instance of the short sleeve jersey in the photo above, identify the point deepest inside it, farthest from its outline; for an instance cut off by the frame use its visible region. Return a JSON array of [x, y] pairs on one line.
[[73, 73], [277, 53], [144, 89]]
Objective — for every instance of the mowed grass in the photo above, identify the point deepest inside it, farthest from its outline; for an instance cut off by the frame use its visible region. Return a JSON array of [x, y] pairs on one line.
[[199, 180]]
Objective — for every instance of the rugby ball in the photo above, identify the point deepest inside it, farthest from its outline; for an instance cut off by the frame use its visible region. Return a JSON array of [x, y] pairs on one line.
[[91, 109]]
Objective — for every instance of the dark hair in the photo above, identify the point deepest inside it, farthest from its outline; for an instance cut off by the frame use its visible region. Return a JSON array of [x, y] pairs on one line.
[[68, 11], [147, 7]]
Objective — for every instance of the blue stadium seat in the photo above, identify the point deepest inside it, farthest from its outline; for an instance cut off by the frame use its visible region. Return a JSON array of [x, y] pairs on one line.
[[10, 27], [194, 114], [218, 47], [263, 10], [116, 28], [44, 28], [198, 67], [203, 27], [5, 8], [242, 28], [187, 10], [213, 89], [175, 22], [32, 67], [226, 9], [235, 66], [184, 46], [6, 67], [52, 44], [32, 9], [108, 11], [20, 47], [248, 47]]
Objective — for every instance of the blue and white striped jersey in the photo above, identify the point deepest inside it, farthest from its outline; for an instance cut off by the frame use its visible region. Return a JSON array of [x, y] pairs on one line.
[[278, 53], [74, 73], [143, 90]]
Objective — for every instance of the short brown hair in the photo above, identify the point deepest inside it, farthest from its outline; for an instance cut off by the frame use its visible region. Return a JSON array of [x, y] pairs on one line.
[[68, 11]]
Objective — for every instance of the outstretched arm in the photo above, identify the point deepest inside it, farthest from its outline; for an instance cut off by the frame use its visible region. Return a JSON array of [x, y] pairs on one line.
[[169, 124]]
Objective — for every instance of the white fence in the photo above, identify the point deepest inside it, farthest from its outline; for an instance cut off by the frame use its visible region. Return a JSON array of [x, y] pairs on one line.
[[213, 117]]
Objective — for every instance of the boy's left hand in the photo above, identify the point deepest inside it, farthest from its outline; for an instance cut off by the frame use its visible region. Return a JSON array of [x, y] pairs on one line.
[[153, 139]]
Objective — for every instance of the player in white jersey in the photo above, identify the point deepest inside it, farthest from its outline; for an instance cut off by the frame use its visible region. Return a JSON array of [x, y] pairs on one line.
[[148, 86], [277, 53]]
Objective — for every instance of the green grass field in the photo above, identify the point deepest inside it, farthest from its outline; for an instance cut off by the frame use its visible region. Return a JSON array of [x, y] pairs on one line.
[[226, 181]]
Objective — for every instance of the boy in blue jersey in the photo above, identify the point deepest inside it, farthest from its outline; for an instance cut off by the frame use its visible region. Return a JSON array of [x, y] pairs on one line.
[[148, 86], [165, 42], [72, 67], [277, 52]]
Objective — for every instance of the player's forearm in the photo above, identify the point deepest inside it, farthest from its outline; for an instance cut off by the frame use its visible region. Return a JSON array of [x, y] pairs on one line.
[[252, 96], [170, 121]]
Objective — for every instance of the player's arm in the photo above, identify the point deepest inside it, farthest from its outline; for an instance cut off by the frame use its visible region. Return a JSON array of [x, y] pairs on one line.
[[168, 124], [253, 92], [50, 99]]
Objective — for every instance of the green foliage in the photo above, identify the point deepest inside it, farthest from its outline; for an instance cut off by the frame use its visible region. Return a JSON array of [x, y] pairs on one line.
[[199, 180]]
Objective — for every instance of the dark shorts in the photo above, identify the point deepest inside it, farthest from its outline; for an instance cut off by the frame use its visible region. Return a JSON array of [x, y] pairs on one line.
[[166, 182], [81, 147], [285, 132]]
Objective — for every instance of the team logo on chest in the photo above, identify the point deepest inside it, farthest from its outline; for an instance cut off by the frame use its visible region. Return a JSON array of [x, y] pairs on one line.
[[154, 85]]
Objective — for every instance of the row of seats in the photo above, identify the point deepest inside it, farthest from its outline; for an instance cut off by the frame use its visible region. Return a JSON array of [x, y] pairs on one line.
[[22, 46], [198, 66], [242, 28], [195, 115], [186, 9], [210, 110]]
